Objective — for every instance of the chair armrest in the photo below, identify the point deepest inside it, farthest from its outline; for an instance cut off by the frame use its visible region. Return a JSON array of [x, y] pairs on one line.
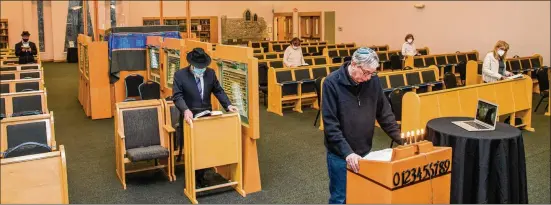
[[121, 134], [288, 83], [169, 129], [308, 81]]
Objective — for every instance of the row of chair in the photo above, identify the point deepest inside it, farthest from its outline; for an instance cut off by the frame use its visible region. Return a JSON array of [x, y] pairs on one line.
[[267, 47], [441, 59], [340, 55], [294, 87]]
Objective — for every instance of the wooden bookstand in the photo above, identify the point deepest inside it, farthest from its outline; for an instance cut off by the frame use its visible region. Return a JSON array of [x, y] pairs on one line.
[[35, 179], [94, 82], [211, 142], [417, 173], [170, 45], [248, 104]]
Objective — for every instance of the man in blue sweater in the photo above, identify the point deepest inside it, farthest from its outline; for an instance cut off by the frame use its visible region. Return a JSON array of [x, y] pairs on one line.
[[352, 100]]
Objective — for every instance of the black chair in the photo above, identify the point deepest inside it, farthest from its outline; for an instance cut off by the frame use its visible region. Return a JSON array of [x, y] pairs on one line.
[[27, 148], [414, 80], [320, 61], [543, 82], [27, 105], [347, 59], [307, 83], [263, 81], [2, 108], [132, 83], [150, 90], [418, 63], [396, 102], [27, 86], [317, 86], [4, 88], [7, 76], [11, 68], [461, 68], [450, 80], [423, 52], [429, 61], [395, 62], [276, 64], [333, 68], [428, 78]]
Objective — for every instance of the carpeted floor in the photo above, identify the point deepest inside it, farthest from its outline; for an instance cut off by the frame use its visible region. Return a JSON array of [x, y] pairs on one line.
[[290, 149]]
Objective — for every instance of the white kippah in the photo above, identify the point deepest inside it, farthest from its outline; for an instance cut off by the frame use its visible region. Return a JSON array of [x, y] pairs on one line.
[[366, 56]]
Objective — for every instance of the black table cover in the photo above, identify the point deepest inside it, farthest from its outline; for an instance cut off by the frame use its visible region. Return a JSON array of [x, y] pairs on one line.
[[487, 167], [72, 55]]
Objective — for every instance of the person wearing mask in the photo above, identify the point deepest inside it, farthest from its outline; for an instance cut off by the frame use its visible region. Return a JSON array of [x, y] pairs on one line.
[[494, 67], [25, 49], [293, 54], [192, 89], [353, 89], [408, 48]]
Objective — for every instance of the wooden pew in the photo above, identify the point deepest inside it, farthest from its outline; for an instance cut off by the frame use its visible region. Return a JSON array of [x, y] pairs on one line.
[[527, 66], [35, 179], [23, 101], [20, 75], [294, 87], [422, 80], [512, 96], [24, 67], [446, 62], [32, 128], [25, 85]]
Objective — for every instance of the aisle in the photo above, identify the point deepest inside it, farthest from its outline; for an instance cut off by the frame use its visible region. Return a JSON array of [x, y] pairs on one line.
[[291, 154]]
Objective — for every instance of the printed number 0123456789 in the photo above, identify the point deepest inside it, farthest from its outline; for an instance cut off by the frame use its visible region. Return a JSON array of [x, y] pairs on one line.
[[417, 174]]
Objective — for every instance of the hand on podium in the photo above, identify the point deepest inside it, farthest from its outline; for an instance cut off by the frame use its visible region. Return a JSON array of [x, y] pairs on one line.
[[352, 161], [188, 117], [232, 108]]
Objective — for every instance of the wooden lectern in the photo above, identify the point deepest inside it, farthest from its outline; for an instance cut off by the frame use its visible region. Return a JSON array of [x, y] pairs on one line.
[[417, 173], [211, 142]]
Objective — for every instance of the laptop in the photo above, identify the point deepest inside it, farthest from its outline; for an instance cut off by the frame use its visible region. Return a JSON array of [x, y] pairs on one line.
[[485, 119]]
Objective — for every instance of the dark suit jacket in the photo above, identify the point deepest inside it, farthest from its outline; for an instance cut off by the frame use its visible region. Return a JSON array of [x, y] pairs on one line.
[[186, 95], [25, 57]]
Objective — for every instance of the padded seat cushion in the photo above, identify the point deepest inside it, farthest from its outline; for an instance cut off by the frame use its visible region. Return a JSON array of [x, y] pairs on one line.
[[147, 153]]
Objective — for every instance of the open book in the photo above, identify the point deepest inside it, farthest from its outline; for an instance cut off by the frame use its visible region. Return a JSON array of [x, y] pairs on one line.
[[514, 76], [384, 155], [207, 113]]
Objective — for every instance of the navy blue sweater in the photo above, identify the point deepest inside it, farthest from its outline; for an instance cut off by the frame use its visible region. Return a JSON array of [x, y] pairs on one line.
[[349, 113]]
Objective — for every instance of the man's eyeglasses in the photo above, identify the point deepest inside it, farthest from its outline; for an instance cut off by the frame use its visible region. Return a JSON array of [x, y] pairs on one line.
[[365, 72]]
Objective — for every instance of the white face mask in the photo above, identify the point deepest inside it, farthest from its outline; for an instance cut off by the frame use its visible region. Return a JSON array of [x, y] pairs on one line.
[[295, 47], [410, 40], [500, 52]]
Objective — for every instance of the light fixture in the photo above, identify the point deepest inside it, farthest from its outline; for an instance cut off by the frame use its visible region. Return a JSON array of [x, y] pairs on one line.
[[74, 8], [419, 5]]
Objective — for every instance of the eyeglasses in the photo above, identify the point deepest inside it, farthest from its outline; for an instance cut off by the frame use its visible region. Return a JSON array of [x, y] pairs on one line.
[[365, 72]]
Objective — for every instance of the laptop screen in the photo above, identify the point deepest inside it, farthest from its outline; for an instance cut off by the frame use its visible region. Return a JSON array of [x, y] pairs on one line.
[[486, 113]]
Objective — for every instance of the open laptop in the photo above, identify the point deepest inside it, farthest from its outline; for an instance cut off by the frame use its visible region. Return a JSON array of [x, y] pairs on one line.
[[485, 119]]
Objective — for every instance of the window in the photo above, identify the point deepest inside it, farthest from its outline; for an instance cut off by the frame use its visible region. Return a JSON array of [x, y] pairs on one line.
[[113, 8], [40, 11], [75, 24], [247, 15], [255, 17]]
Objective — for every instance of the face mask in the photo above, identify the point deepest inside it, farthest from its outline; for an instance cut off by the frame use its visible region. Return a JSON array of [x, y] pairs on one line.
[[199, 71], [295, 47], [410, 40], [25, 40], [500, 52]]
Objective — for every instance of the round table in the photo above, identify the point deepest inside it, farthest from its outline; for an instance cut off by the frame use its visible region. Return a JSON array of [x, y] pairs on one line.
[[487, 166]]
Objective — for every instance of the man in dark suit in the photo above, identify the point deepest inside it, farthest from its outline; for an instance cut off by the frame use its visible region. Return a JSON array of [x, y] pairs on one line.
[[192, 90], [25, 49]]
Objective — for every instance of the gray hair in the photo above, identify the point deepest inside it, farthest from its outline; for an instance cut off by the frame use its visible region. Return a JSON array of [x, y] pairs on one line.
[[366, 56]]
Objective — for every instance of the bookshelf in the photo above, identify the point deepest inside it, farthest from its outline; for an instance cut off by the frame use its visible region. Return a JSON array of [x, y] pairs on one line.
[[204, 28], [4, 41]]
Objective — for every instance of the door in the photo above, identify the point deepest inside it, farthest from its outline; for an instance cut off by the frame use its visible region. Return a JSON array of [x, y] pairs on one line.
[[284, 22], [310, 25]]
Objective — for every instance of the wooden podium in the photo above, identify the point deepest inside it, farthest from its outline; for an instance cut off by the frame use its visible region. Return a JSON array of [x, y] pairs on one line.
[[211, 142], [417, 173]]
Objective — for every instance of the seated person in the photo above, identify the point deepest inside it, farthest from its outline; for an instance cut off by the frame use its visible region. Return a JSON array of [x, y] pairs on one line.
[[25, 49], [494, 66], [408, 48], [293, 54]]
